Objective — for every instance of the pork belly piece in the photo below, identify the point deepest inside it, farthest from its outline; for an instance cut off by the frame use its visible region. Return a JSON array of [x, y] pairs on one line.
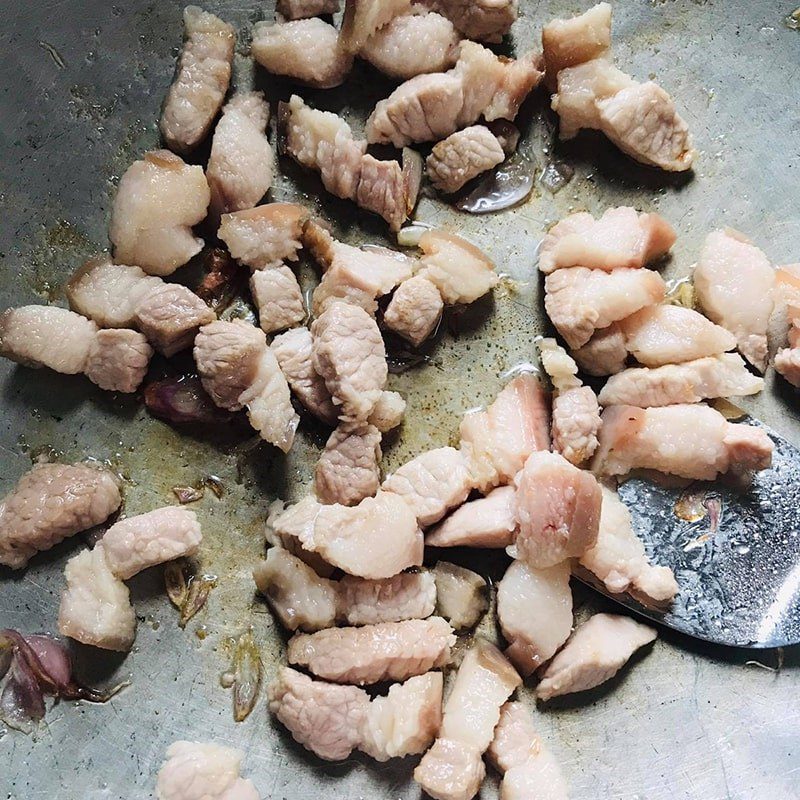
[[487, 522], [528, 768], [559, 365], [597, 650], [50, 503], [483, 20], [170, 315], [734, 281], [787, 364], [293, 350], [363, 17], [460, 595], [303, 9], [409, 595], [305, 49], [388, 411], [452, 769], [203, 771], [622, 237], [704, 378], [388, 188], [666, 334], [349, 468], [279, 299], [415, 310], [118, 360], [265, 236], [204, 72], [241, 164], [406, 720], [95, 604], [323, 717], [139, 542], [497, 441], [576, 422], [463, 156], [558, 510], [580, 301], [460, 271], [618, 557], [46, 336], [285, 525], [534, 608], [432, 483], [691, 441], [414, 43], [348, 352], [373, 653], [605, 353], [573, 41], [519, 78], [158, 201]]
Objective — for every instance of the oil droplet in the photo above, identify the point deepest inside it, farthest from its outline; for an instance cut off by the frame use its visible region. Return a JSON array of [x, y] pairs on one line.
[[743, 549], [690, 507]]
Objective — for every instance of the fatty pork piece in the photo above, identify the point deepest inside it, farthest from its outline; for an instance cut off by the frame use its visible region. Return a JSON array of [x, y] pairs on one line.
[[787, 364], [278, 298], [528, 768], [622, 237], [667, 334], [431, 107], [389, 188], [158, 201], [348, 352], [597, 650], [118, 360], [95, 604], [203, 771], [349, 468], [50, 503], [303, 9], [605, 353], [558, 510], [415, 310], [580, 301], [691, 441], [307, 50], [534, 608], [266, 236], [204, 72], [409, 595], [453, 769], [618, 557], [460, 595], [432, 483], [482, 20], [559, 365], [496, 442], [569, 42], [374, 653], [704, 378], [388, 411], [286, 524], [734, 281], [139, 542], [241, 164], [362, 18], [487, 522], [414, 43], [239, 371], [463, 156]]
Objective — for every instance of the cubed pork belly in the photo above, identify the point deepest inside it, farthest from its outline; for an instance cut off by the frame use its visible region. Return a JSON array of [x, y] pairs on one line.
[[305, 49], [95, 604], [50, 503], [286, 524], [605, 353], [415, 310], [303, 9], [691, 441], [363, 17], [463, 156], [487, 522], [374, 653], [704, 378], [159, 199], [278, 298], [559, 365], [461, 596], [201, 80], [787, 364], [618, 557], [734, 282], [349, 468], [118, 360], [482, 20], [580, 301], [241, 164], [622, 237], [597, 650], [389, 188], [534, 608], [388, 412], [409, 595]]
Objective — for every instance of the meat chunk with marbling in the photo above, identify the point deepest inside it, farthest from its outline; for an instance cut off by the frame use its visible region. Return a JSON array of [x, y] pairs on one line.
[[605, 353], [409, 595], [303, 9], [463, 156], [461, 595], [118, 360], [374, 653], [50, 503], [362, 18], [278, 298], [487, 522], [559, 365], [305, 49], [415, 310], [576, 422], [787, 364], [349, 468], [201, 81], [388, 188], [734, 282], [388, 412], [482, 20], [159, 199], [691, 441]]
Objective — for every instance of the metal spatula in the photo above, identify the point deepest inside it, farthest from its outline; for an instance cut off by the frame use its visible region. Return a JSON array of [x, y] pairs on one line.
[[735, 552]]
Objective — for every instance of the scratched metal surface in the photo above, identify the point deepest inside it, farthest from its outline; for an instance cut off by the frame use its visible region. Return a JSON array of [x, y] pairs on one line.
[[81, 82]]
